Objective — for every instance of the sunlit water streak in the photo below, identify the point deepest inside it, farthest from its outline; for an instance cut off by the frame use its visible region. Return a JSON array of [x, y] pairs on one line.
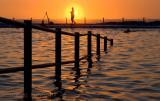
[[130, 70]]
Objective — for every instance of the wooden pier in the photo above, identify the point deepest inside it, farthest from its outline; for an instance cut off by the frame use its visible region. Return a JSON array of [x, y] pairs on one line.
[[28, 26]]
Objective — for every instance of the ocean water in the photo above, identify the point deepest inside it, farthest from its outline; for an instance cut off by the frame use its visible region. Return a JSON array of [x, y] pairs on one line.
[[130, 71]]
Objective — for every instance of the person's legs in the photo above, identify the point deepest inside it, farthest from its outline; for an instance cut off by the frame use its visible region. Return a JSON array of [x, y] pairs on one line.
[[72, 19]]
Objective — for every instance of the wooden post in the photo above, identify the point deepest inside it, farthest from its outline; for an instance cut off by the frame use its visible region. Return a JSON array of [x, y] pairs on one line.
[[103, 20], [111, 42], [98, 45], [66, 21], [105, 44], [58, 41], [76, 56], [58, 54], [27, 59], [89, 46]]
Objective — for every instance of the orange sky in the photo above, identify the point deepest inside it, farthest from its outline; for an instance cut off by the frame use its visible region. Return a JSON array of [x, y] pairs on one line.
[[91, 9]]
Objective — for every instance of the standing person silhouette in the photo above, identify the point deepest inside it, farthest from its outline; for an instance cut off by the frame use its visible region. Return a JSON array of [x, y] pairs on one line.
[[72, 16]]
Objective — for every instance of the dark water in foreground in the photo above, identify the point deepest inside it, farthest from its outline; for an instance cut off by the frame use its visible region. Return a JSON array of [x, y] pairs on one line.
[[130, 71]]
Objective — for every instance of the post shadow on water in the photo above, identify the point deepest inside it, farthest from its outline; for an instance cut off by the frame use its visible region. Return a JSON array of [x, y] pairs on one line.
[[58, 83], [78, 74], [58, 93], [98, 58], [27, 98], [60, 90]]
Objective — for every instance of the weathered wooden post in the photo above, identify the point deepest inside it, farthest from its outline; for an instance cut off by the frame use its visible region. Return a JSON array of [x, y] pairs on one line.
[[76, 56], [58, 54], [89, 46], [58, 41], [66, 21], [27, 58], [98, 45], [111, 42], [105, 44]]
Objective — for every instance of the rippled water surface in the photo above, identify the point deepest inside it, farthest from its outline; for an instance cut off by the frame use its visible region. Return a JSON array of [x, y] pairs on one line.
[[130, 71]]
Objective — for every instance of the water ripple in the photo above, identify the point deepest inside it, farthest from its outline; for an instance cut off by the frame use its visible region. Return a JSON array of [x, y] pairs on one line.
[[130, 71]]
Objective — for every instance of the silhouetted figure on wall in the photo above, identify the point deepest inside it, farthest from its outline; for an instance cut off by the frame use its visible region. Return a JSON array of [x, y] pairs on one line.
[[103, 20], [72, 16], [144, 20]]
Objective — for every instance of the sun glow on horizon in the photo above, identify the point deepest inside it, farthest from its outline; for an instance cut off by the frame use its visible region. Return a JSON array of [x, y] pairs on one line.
[[79, 12], [89, 9]]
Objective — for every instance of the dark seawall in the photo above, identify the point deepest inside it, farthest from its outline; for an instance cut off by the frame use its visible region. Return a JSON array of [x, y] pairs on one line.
[[127, 24]]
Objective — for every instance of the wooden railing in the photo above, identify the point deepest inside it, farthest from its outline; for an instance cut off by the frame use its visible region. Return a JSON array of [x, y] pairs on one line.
[[27, 25]]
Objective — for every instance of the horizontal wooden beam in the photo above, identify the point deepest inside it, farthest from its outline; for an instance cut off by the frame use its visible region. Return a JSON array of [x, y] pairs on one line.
[[21, 24], [38, 27], [17, 69]]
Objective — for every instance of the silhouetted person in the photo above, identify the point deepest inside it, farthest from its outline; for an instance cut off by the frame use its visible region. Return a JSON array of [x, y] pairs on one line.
[[103, 20], [144, 20], [72, 15], [123, 20]]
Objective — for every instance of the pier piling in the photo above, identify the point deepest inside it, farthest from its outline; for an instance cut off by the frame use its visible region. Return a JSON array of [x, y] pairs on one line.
[[105, 44], [76, 49], [89, 47], [98, 45], [27, 58], [58, 53]]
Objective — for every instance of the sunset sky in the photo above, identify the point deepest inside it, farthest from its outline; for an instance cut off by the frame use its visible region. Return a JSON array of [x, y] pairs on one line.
[[91, 9]]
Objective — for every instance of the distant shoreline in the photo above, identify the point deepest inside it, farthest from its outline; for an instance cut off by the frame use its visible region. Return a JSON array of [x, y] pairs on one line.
[[87, 26], [126, 24]]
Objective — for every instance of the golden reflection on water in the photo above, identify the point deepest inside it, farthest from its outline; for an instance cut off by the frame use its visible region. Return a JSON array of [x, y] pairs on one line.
[[129, 71]]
